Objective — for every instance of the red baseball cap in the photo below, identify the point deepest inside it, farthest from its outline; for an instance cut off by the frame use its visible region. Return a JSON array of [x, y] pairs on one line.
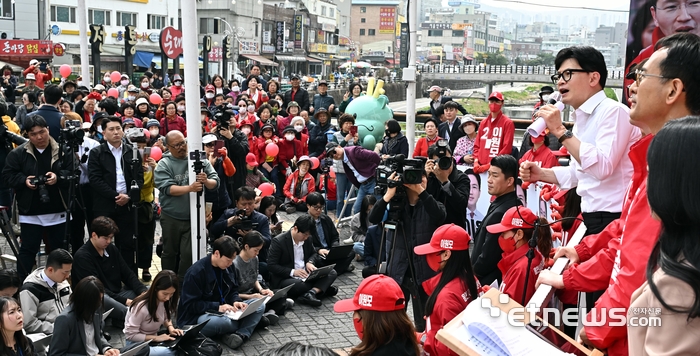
[[250, 159], [561, 152], [209, 87], [517, 217], [497, 95], [377, 293], [446, 237]]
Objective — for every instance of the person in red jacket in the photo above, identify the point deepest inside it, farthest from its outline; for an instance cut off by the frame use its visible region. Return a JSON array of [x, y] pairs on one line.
[[540, 152], [495, 135], [301, 133], [616, 258], [517, 228], [247, 128], [268, 164], [41, 78], [453, 288], [431, 137], [172, 121], [298, 186], [290, 151]]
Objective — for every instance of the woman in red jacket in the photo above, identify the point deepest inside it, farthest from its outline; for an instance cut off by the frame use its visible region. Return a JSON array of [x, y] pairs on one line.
[[268, 164], [290, 151], [172, 121], [431, 137], [540, 152], [517, 228], [453, 288], [299, 126], [255, 92]]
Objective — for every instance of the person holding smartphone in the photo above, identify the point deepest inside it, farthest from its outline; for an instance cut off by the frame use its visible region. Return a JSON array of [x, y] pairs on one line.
[[41, 71], [218, 158]]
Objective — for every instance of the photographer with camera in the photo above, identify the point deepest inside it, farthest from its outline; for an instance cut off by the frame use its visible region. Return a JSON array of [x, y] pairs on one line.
[[446, 183], [33, 170], [415, 215], [115, 171], [236, 143], [360, 166], [35, 69]]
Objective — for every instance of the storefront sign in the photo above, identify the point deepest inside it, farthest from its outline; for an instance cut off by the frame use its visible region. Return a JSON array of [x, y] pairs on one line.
[[248, 47], [436, 26], [298, 28], [403, 46], [387, 19], [268, 49], [171, 42], [26, 47], [59, 49], [279, 36], [216, 54], [154, 37], [266, 37]]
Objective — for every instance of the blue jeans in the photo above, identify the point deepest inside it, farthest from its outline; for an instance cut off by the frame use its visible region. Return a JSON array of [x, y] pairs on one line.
[[273, 176], [359, 248], [365, 189], [222, 325], [343, 192], [155, 350]]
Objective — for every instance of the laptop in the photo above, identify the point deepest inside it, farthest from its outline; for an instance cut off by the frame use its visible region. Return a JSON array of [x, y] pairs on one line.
[[280, 293], [41, 341], [133, 351], [318, 273], [250, 309], [189, 334], [106, 314], [339, 252]]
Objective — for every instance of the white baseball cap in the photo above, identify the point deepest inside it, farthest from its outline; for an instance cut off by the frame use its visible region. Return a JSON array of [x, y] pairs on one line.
[[33, 62], [30, 76]]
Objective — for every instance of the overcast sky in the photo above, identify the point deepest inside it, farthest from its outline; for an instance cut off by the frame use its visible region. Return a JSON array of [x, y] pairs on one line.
[[603, 4]]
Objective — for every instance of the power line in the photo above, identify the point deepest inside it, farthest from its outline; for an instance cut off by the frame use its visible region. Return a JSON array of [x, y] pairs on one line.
[[562, 6]]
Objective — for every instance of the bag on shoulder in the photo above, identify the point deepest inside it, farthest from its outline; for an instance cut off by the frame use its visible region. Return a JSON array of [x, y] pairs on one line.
[[200, 346]]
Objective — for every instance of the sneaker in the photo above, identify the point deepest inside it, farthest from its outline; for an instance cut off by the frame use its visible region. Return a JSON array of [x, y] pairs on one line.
[[263, 323], [351, 268], [310, 299], [290, 303], [272, 317], [348, 241], [291, 210], [233, 341], [332, 291], [146, 276]]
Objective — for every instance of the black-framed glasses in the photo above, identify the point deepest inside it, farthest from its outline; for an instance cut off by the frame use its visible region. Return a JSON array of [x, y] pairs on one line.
[[317, 207], [566, 75], [178, 145], [641, 74]]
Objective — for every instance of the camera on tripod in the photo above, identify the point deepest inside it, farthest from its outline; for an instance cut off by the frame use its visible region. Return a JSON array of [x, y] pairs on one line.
[[223, 115], [408, 171], [443, 161], [72, 134], [40, 183]]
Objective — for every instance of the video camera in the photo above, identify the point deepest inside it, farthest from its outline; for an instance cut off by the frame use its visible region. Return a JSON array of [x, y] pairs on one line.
[[443, 161], [408, 171], [246, 222], [40, 183], [223, 115], [72, 134]]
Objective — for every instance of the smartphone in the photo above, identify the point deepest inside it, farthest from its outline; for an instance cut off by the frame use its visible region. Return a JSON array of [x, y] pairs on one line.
[[202, 155], [208, 207], [218, 144], [146, 153], [42, 66], [353, 130]]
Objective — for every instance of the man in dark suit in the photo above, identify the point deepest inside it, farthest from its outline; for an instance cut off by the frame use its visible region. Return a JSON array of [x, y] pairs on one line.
[[325, 236], [450, 129], [435, 93], [292, 257]]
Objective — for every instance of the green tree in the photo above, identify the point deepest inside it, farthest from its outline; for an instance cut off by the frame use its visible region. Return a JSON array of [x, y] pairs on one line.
[[494, 59], [543, 59]]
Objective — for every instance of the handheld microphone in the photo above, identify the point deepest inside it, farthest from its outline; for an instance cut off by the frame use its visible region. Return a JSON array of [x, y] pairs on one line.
[[537, 127]]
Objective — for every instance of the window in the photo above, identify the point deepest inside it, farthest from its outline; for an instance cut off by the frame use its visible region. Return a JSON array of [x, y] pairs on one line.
[[209, 25], [323, 11], [363, 9], [156, 22], [126, 19], [100, 17], [457, 33], [6, 9], [362, 32], [371, 32], [434, 33], [62, 14], [331, 12], [363, 20]]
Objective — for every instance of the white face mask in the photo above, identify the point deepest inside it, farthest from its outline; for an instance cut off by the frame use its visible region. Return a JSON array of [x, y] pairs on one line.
[[124, 83], [154, 131], [131, 97], [545, 98], [144, 85], [99, 129], [177, 84], [246, 130], [251, 108], [236, 88], [107, 79], [299, 128], [181, 108], [210, 95], [242, 110], [289, 137]]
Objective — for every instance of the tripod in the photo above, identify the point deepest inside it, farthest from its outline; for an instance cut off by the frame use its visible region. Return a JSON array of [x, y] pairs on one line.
[[198, 166], [70, 147], [135, 197]]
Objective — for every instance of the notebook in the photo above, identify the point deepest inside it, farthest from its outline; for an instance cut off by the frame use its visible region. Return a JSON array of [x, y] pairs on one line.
[[280, 293], [133, 351]]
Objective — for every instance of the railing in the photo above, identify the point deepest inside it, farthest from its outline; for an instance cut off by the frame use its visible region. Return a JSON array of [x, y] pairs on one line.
[[507, 69], [519, 123]]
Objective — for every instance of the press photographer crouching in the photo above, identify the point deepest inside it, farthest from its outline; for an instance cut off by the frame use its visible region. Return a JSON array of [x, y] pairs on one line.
[[413, 217], [33, 170], [446, 183]]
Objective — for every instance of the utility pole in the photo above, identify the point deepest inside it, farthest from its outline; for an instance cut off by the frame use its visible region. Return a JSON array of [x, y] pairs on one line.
[[84, 57], [409, 76]]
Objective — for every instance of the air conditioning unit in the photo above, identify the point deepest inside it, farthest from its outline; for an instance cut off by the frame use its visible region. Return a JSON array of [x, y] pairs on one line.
[[7, 35]]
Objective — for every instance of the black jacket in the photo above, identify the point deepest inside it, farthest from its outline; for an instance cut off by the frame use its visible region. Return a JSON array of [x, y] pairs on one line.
[[280, 261], [443, 100], [301, 97], [455, 134], [69, 335], [21, 163], [454, 195], [487, 252], [418, 223], [329, 232], [373, 241], [112, 271], [318, 138], [220, 227], [238, 148], [400, 146], [102, 171], [323, 101]]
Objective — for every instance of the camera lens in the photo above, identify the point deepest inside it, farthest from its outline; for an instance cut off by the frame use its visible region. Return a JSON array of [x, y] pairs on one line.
[[444, 163]]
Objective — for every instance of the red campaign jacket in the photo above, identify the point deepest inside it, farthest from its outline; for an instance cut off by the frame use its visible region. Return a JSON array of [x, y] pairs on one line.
[[543, 157], [287, 150], [260, 150], [656, 35], [513, 267], [451, 301], [487, 145], [630, 254], [422, 146]]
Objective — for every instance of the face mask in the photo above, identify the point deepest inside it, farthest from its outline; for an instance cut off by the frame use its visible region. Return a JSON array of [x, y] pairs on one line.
[[242, 110], [434, 260], [507, 245], [107, 79], [494, 107], [246, 130], [99, 129], [144, 85], [131, 97], [236, 88], [299, 128], [289, 137], [538, 139], [251, 108], [210, 95], [154, 132], [181, 108], [545, 98], [104, 97], [357, 323], [177, 84], [124, 83]]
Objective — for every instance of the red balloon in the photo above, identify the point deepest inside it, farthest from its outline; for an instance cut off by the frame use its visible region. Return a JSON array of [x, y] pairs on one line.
[[113, 92], [65, 71], [266, 189], [155, 99], [272, 150], [156, 153], [115, 76], [314, 162]]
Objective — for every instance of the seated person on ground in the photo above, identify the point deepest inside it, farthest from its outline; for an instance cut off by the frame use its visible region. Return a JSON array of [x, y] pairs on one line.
[[325, 236], [299, 185]]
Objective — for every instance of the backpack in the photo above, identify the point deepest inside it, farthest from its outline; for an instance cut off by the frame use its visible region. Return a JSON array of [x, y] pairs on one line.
[[200, 346]]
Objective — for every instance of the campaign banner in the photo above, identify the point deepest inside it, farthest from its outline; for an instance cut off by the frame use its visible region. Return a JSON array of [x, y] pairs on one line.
[[387, 19]]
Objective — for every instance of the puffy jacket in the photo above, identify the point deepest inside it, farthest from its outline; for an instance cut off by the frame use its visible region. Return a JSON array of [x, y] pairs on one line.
[[308, 185], [487, 144], [451, 301], [170, 124], [422, 146], [513, 267], [41, 78], [623, 261], [260, 151], [419, 224], [41, 303], [323, 101], [237, 148], [395, 146]]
